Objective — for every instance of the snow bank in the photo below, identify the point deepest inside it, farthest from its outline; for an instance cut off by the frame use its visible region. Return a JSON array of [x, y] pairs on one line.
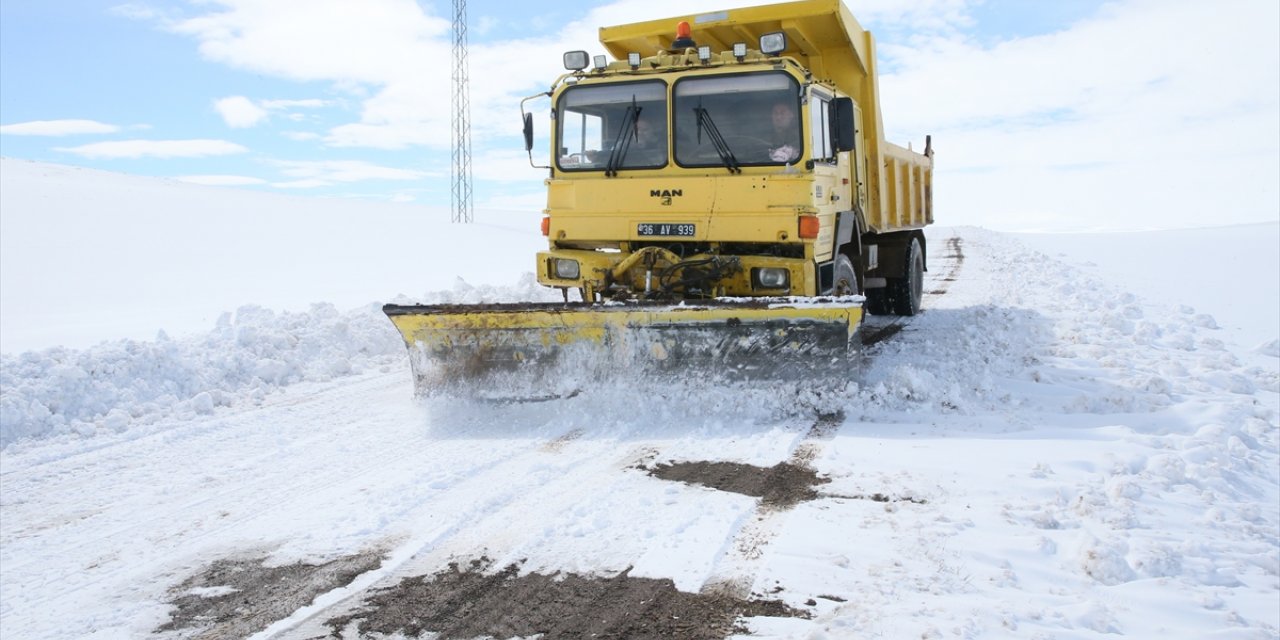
[[118, 385], [1165, 268], [251, 352], [1093, 463], [1059, 342]]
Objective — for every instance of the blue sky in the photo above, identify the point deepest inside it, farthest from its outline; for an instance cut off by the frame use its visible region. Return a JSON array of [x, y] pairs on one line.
[[1043, 105]]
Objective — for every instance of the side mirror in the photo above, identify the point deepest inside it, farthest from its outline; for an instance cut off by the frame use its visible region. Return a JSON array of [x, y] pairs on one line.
[[843, 131], [528, 132]]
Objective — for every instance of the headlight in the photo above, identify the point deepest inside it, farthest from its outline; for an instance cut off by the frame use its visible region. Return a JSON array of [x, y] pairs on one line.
[[772, 278], [566, 269]]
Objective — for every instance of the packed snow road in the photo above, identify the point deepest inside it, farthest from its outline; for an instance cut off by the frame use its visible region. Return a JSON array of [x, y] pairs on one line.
[[1036, 455]]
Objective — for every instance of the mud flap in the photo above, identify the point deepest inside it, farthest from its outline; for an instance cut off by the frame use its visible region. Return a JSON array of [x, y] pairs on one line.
[[539, 350]]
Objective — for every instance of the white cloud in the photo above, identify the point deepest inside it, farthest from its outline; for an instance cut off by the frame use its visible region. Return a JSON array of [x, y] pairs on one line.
[[918, 15], [155, 149], [1144, 100], [221, 180], [335, 171], [400, 54], [389, 120], [308, 103], [309, 183], [240, 112], [135, 11], [1134, 58], [482, 25], [371, 42], [57, 128], [301, 136], [1120, 121]]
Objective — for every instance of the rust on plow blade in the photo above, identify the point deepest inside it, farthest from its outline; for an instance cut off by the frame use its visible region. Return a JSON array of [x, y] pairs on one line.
[[533, 349]]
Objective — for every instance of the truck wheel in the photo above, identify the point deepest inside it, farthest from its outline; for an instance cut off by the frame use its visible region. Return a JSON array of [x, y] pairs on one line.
[[905, 292], [877, 303], [846, 279]]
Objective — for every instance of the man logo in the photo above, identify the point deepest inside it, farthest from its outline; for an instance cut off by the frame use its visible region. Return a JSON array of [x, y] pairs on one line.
[[666, 195]]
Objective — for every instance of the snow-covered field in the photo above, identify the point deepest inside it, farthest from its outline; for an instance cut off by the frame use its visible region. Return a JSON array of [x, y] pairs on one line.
[[1060, 450]]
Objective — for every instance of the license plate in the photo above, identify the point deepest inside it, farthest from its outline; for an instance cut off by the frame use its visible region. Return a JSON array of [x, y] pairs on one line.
[[665, 229]]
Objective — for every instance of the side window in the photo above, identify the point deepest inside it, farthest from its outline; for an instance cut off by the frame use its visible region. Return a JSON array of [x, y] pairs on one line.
[[583, 133], [820, 129]]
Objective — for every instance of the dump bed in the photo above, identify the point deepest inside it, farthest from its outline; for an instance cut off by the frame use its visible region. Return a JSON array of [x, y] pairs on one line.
[[824, 37]]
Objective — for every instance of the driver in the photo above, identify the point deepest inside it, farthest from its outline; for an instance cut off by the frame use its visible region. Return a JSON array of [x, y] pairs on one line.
[[784, 143], [649, 146]]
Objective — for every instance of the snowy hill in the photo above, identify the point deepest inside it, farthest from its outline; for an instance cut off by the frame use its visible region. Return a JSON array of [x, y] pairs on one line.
[[1052, 449], [92, 256]]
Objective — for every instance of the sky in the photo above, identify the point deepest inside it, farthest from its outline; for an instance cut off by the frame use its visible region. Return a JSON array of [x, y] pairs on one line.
[[1076, 115]]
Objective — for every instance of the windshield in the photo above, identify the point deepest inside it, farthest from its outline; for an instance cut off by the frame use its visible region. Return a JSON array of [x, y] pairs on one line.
[[616, 126], [740, 119]]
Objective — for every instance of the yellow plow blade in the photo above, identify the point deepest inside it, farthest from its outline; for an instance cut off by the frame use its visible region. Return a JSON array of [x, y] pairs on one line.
[[545, 350]]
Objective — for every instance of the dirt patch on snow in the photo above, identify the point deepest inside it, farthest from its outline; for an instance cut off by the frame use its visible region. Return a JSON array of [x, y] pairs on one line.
[[782, 485], [881, 334], [555, 446], [878, 497], [469, 603], [235, 598]]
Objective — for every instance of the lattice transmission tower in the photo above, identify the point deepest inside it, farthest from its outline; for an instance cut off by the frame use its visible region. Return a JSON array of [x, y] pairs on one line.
[[461, 127]]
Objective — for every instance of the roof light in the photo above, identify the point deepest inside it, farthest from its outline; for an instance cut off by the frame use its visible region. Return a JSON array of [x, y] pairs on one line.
[[633, 59], [575, 60], [684, 36], [739, 50], [773, 43], [704, 54], [600, 62]]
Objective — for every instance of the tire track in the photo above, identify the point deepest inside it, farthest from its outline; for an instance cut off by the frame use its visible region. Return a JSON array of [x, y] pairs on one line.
[[202, 508], [881, 328], [563, 480], [734, 572], [954, 260]]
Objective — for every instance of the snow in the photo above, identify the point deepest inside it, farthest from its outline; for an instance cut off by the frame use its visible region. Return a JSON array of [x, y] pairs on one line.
[[1231, 270], [1071, 444], [92, 256]]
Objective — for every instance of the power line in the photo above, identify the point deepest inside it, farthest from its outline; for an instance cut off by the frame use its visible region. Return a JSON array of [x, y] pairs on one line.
[[461, 127]]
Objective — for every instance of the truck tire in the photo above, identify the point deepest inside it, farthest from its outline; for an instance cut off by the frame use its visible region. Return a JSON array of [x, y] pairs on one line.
[[877, 303], [905, 292], [846, 279]]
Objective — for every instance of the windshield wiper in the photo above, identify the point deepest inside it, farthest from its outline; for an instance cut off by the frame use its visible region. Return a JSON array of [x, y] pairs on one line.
[[622, 142], [717, 140]]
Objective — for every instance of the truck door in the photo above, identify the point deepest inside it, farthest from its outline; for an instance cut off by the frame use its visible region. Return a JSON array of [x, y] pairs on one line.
[[831, 191]]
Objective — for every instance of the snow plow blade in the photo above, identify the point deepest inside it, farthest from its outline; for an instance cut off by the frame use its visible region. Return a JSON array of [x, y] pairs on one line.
[[547, 350]]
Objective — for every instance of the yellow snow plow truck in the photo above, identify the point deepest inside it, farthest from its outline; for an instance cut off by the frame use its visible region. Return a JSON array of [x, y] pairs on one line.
[[721, 202]]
